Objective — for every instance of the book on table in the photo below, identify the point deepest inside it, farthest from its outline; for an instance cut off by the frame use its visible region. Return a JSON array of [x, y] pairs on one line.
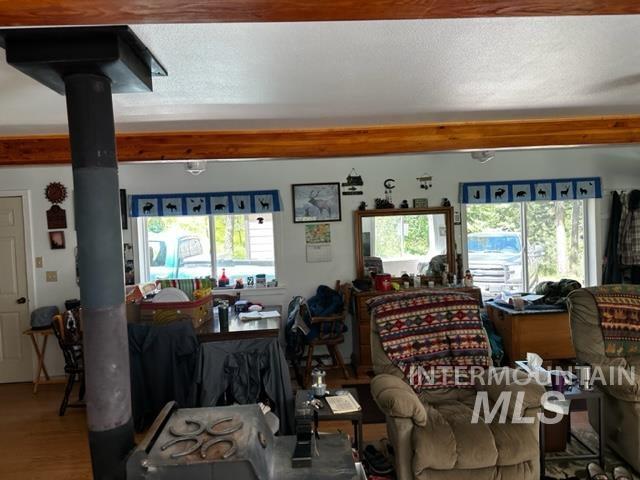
[[343, 404], [265, 314]]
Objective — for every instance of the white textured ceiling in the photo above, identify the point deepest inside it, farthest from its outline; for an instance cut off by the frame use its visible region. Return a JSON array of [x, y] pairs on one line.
[[302, 74]]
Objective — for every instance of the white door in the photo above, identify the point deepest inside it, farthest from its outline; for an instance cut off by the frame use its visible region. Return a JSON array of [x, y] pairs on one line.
[[15, 348]]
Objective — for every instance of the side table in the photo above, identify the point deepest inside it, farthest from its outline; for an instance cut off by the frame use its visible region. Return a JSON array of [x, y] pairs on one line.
[[40, 350], [575, 393], [325, 413]]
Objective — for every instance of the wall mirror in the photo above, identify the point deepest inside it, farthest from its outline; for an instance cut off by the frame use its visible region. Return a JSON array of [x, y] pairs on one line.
[[411, 240]]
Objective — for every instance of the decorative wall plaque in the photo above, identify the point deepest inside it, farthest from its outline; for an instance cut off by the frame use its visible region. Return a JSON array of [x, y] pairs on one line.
[[55, 192], [56, 217]]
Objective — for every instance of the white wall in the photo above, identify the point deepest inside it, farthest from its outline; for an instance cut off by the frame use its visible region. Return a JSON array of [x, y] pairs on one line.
[[618, 167]]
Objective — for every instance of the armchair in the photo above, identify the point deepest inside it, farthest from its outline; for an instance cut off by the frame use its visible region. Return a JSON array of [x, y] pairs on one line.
[[433, 434], [615, 373]]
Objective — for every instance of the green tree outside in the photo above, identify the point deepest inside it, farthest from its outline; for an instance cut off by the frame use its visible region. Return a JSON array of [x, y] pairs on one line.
[[400, 235]]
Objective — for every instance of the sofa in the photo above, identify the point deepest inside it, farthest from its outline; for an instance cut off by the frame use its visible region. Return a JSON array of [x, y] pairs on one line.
[[432, 433], [614, 373]]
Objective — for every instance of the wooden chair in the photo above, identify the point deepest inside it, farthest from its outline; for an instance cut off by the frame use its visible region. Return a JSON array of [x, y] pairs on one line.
[[70, 341], [330, 333]]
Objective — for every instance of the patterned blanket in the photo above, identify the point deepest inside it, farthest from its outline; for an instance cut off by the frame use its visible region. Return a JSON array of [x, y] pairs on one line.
[[619, 313], [435, 338]]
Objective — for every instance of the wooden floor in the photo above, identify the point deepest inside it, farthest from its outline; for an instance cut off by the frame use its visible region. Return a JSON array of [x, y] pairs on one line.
[[35, 443]]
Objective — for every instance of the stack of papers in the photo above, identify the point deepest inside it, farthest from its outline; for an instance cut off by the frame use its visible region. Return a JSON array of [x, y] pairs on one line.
[[248, 316], [343, 404], [557, 406]]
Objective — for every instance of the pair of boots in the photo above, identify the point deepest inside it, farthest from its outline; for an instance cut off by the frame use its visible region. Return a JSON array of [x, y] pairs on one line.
[[377, 462], [597, 473]]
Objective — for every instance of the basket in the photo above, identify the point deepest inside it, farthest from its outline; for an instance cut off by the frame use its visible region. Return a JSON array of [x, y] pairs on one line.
[[198, 311]]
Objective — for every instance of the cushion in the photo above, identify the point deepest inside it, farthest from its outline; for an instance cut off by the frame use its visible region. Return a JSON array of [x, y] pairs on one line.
[[515, 443], [585, 325], [450, 441], [396, 399], [619, 315]]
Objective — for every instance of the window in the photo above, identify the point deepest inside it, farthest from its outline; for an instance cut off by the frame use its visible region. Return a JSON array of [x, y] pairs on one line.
[[515, 246], [401, 236], [201, 246]]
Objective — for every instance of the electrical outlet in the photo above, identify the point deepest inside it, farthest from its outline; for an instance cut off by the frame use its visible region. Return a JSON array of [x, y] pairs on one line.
[[52, 276], [38, 262]]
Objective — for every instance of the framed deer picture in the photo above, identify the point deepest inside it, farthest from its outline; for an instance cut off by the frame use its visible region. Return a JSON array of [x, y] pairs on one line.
[[316, 202]]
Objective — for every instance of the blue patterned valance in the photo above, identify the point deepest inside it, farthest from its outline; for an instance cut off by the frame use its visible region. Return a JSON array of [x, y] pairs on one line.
[[530, 190], [209, 203]]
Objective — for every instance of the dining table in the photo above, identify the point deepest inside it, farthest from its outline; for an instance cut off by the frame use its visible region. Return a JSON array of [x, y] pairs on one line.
[[239, 329]]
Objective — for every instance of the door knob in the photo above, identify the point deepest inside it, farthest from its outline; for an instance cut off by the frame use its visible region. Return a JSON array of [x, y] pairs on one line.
[[21, 300]]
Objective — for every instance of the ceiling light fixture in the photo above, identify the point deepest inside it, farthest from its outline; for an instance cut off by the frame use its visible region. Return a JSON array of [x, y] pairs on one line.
[[483, 156], [195, 168]]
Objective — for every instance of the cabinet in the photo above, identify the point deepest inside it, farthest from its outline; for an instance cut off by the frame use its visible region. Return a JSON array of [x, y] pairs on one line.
[[544, 332], [361, 356]]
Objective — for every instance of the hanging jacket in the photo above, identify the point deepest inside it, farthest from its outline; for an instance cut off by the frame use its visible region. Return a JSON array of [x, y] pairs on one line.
[[163, 363], [629, 241], [611, 273], [248, 367]]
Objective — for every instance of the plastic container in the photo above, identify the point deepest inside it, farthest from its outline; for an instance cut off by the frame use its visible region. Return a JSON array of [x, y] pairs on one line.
[[383, 282]]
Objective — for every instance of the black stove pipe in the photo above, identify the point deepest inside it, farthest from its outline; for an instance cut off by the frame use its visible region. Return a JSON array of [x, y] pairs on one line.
[[98, 225]]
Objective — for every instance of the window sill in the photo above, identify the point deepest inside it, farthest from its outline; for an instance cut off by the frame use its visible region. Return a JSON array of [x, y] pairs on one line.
[[254, 291]]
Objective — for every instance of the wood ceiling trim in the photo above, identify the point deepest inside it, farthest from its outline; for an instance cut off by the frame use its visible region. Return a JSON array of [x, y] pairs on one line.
[[335, 142], [104, 12]]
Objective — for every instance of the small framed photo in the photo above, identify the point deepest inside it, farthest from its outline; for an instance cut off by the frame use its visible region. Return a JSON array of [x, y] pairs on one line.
[[56, 240], [123, 209], [420, 203], [316, 202]]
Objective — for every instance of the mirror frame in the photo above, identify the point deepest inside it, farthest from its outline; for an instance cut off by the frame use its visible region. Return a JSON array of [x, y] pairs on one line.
[[389, 212]]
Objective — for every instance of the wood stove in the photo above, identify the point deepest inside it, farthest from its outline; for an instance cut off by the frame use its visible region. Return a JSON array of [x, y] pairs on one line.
[[233, 442]]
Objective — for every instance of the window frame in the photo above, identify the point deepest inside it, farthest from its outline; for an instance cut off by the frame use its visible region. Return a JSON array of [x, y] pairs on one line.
[[139, 234], [589, 240]]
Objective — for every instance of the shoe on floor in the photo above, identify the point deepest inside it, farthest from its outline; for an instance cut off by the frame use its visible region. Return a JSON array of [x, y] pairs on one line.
[[595, 472], [376, 461], [621, 473]]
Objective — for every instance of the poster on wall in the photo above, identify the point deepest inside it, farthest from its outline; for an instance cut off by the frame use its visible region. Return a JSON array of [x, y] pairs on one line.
[[129, 265], [318, 233], [316, 202], [56, 240], [318, 239]]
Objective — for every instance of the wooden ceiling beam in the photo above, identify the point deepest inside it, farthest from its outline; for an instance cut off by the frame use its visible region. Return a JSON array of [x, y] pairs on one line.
[[335, 142], [103, 12]]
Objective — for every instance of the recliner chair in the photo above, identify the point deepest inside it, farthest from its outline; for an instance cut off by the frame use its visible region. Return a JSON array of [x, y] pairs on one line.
[[434, 438], [622, 389]]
